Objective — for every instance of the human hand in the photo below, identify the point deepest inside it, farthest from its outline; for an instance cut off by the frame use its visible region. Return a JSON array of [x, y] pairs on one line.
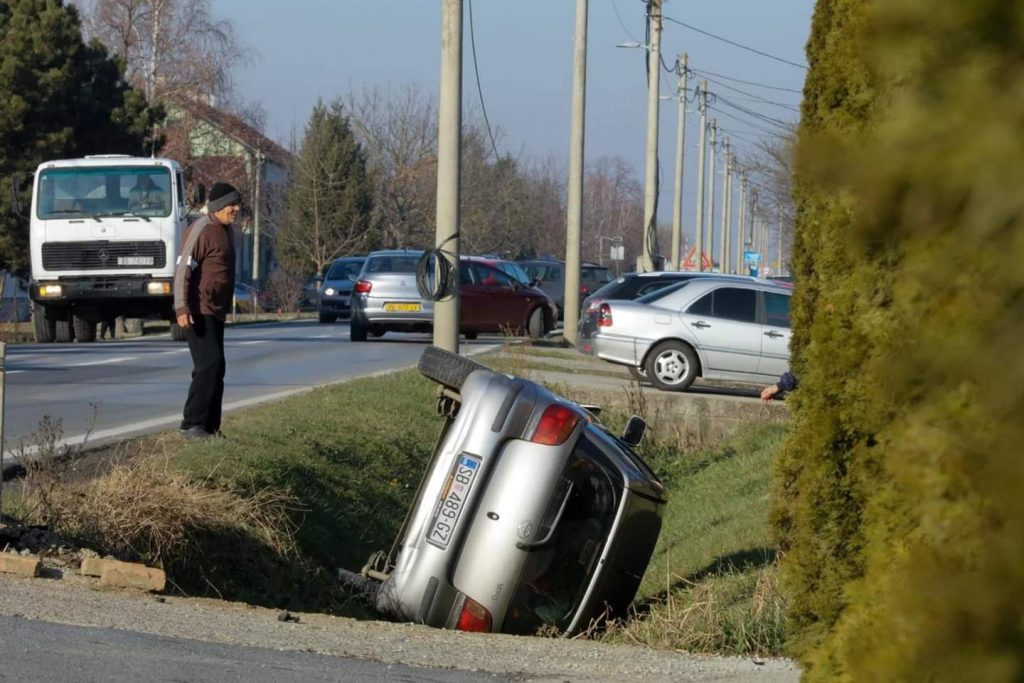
[[768, 392], [184, 320]]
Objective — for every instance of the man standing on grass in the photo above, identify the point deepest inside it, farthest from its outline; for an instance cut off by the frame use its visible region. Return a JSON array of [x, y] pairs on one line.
[[204, 283]]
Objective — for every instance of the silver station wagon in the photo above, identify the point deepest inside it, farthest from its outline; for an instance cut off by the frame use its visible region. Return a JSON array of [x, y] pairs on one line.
[[717, 329], [530, 516]]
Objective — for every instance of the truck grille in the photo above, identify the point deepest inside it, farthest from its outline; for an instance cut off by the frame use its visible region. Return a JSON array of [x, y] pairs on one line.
[[101, 255]]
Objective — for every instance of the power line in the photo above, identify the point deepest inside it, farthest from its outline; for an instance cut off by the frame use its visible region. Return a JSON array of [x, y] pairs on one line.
[[759, 129], [758, 98], [784, 125], [479, 88], [622, 23], [737, 80], [735, 44]]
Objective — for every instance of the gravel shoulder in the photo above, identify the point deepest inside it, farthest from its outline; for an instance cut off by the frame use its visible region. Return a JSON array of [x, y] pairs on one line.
[[78, 601]]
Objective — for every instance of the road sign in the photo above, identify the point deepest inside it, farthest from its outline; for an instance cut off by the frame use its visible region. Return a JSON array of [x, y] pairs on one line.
[[618, 252], [690, 261], [751, 257]]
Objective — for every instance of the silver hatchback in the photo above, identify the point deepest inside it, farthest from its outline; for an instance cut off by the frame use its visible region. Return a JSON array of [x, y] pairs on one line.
[[715, 328], [530, 515]]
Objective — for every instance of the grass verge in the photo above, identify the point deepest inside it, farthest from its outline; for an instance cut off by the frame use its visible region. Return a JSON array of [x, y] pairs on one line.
[[322, 480]]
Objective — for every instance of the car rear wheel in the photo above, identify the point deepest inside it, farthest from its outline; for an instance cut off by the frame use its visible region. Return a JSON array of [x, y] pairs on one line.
[[356, 331], [672, 366], [471, 335], [447, 368], [535, 325], [85, 331]]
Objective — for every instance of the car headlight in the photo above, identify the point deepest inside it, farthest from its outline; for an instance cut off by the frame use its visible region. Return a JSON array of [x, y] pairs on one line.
[[158, 288], [50, 290], [330, 291]]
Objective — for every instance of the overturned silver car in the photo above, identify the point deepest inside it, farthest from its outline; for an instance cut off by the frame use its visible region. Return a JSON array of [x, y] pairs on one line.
[[530, 515]]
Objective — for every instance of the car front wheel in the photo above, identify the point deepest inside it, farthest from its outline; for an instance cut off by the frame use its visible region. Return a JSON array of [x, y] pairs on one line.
[[672, 366], [356, 331]]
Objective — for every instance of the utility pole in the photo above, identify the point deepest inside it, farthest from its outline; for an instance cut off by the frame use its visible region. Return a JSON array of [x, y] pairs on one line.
[[574, 221], [702, 99], [449, 151], [723, 259], [651, 188], [778, 237], [682, 62], [741, 228], [713, 153], [256, 219], [3, 370]]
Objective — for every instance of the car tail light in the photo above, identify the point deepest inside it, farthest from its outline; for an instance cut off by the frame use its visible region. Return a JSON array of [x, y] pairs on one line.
[[474, 617], [363, 287], [555, 426], [604, 316]]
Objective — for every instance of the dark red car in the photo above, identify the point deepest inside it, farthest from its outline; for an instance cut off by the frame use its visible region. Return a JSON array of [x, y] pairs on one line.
[[494, 301]]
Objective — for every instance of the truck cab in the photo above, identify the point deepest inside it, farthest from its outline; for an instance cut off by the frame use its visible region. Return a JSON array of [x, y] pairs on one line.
[[104, 236]]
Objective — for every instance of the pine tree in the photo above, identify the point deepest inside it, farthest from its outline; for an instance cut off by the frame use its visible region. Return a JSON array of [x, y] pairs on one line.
[[330, 199], [59, 98]]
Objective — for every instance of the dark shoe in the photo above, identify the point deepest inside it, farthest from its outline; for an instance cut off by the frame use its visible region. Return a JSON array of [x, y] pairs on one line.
[[197, 432]]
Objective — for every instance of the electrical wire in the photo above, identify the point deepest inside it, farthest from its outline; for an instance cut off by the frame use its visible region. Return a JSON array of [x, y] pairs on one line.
[[445, 269], [622, 23], [737, 80], [479, 88], [756, 128], [786, 126], [751, 95], [735, 44]]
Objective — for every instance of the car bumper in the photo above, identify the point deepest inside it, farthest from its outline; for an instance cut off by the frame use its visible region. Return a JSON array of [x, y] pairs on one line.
[[620, 349], [336, 305]]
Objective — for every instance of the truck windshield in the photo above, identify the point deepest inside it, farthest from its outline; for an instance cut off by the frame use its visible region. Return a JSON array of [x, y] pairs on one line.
[[104, 191]]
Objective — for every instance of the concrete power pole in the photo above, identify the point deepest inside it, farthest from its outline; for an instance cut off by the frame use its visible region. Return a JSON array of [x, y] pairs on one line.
[[741, 228], [702, 99], [713, 184], [778, 237], [449, 152], [677, 210], [256, 219], [723, 259], [651, 187], [574, 221]]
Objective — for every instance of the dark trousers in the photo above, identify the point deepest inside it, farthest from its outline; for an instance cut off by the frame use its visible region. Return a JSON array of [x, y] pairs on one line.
[[206, 343]]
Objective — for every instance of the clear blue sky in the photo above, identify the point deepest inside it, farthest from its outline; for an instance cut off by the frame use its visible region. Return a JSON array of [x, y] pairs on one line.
[[310, 49]]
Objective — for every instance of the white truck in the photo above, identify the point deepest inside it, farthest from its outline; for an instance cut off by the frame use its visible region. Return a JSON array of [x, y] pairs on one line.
[[104, 235]]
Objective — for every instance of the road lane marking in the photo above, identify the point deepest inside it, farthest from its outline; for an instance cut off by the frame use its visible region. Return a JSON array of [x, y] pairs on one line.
[[250, 343], [103, 362]]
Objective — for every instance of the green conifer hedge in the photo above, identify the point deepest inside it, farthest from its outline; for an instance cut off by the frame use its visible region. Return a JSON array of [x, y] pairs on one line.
[[900, 491]]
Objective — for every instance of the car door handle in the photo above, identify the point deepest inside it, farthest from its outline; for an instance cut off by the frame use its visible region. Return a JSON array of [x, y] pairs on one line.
[[700, 325], [773, 334], [543, 542]]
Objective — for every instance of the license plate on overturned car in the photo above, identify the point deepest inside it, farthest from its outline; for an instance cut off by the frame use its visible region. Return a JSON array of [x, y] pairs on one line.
[[392, 307], [453, 500]]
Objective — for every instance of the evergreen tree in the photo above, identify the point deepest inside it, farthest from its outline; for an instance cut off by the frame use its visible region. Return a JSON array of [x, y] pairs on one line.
[[330, 199], [59, 98]]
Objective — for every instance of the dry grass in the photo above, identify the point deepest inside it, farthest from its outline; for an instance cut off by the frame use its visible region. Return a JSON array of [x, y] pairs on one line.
[[144, 510]]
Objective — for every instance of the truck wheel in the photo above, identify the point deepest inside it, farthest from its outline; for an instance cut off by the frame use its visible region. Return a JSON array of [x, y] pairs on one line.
[[43, 327], [447, 368], [64, 332], [177, 332], [85, 331], [356, 331]]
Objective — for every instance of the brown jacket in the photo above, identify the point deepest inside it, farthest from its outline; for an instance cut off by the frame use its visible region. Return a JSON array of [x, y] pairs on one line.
[[204, 281]]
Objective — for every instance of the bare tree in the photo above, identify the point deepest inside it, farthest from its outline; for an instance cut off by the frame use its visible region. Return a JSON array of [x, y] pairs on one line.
[[171, 48], [613, 207]]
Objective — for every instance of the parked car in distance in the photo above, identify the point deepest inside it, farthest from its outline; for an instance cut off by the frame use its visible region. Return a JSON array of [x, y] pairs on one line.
[[335, 298], [510, 268], [715, 328], [530, 516], [550, 276], [15, 305], [385, 298]]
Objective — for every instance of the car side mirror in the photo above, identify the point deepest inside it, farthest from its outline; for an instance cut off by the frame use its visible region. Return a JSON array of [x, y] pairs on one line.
[[634, 432], [16, 204]]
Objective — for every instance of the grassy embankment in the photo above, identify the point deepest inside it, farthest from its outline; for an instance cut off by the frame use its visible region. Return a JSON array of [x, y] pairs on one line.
[[322, 480]]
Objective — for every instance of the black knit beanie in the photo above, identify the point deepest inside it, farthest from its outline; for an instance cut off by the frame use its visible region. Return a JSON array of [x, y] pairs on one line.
[[221, 195]]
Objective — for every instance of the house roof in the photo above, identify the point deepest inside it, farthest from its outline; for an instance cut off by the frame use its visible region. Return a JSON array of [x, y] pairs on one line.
[[235, 128]]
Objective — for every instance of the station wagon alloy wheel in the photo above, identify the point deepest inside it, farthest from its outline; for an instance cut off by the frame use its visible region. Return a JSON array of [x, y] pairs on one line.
[[672, 366]]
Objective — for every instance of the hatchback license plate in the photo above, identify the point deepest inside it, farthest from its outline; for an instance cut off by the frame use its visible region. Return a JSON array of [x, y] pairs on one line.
[[402, 307], [453, 500], [134, 260]]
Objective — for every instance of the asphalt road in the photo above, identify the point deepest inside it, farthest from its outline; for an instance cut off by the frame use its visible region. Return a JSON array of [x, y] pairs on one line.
[[44, 651], [128, 387]]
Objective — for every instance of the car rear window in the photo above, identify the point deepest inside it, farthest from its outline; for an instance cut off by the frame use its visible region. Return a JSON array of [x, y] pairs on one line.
[[591, 274], [555, 578], [392, 264], [345, 270], [657, 294], [728, 303]]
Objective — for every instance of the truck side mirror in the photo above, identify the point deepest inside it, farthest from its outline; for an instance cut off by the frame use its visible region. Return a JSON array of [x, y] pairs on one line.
[[16, 205], [633, 434], [198, 195]]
